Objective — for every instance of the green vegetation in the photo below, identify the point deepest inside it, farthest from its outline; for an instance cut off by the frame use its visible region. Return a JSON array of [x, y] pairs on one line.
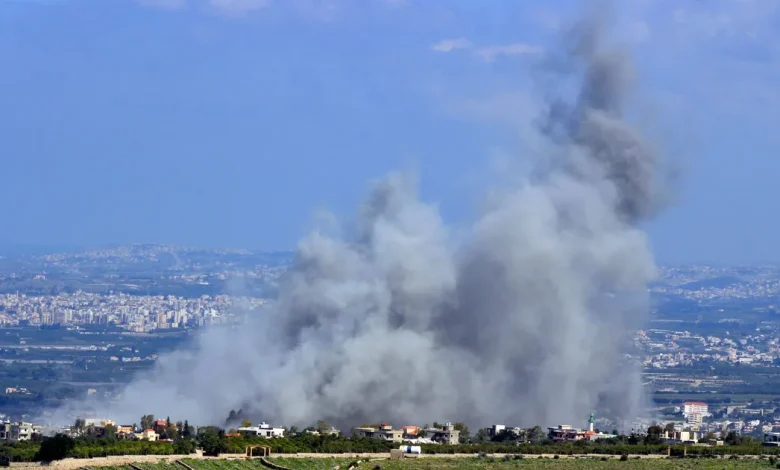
[[564, 464], [240, 464], [215, 442], [312, 464]]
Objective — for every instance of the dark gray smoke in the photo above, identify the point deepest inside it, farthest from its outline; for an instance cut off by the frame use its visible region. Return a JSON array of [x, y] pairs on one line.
[[523, 320]]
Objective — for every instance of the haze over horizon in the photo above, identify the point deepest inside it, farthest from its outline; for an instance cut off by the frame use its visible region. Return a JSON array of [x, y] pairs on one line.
[[232, 123]]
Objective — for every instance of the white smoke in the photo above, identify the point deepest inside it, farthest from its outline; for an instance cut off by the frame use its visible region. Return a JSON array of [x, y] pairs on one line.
[[522, 319]]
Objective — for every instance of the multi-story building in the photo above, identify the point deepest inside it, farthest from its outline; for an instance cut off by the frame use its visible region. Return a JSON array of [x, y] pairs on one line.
[[446, 435], [384, 432], [694, 419], [564, 432], [695, 407], [21, 431]]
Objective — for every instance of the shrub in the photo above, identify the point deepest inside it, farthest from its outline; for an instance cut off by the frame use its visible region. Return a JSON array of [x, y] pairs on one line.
[[55, 448], [624, 457]]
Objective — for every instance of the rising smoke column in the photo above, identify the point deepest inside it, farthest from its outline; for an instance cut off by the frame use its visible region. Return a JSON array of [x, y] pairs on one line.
[[523, 322]]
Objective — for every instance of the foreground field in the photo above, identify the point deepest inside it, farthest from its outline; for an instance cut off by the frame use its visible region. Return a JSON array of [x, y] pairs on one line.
[[462, 463], [508, 462]]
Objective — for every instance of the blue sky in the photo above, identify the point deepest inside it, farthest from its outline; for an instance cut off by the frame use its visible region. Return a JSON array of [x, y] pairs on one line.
[[232, 122]]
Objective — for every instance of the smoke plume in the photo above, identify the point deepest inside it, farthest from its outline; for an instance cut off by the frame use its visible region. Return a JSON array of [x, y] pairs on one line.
[[523, 320]]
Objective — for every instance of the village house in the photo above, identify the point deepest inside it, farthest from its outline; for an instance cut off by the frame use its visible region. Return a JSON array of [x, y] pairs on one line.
[[384, 432], [147, 435], [263, 430], [446, 435], [564, 432]]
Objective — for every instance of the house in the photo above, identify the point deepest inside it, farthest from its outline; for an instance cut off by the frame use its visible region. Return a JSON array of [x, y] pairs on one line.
[[771, 439], [446, 435], [330, 432], [683, 437], [23, 431], [564, 432], [384, 432], [160, 426], [411, 432], [263, 430], [125, 431], [147, 435]]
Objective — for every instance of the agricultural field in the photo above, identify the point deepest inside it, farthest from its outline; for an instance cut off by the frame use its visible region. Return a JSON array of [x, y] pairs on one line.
[[567, 464], [470, 463], [316, 463], [219, 464]]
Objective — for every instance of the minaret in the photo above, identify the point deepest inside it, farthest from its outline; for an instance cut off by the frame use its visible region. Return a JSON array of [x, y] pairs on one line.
[[591, 421]]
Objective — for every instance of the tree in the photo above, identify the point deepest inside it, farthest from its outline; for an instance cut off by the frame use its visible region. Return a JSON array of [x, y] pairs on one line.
[[654, 434], [168, 422], [183, 446], [322, 426], [483, 435], [669, 427], [56, 448], [147, 422], [293, 430], [109, 432], [79, 426], [436, 425], [213, 443], [708, 438], [246, 423], [464, 431], [536, 436], [187, 430]]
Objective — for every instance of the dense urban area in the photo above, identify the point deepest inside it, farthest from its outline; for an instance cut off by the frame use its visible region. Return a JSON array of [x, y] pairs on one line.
[[83, 322]]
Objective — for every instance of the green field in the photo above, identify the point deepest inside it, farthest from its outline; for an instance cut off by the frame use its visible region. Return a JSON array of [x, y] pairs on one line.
[[315, 463], [220, 464], [565, 464]]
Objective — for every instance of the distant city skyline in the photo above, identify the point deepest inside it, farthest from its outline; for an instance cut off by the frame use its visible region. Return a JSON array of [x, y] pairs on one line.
[[232, 124]]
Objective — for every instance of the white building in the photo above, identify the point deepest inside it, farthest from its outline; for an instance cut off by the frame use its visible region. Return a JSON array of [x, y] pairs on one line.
[[694, 420], [695, 407], [682, 436], [262, 430]]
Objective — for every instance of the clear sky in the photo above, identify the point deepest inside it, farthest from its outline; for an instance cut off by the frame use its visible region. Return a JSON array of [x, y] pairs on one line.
[[231, 122]]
